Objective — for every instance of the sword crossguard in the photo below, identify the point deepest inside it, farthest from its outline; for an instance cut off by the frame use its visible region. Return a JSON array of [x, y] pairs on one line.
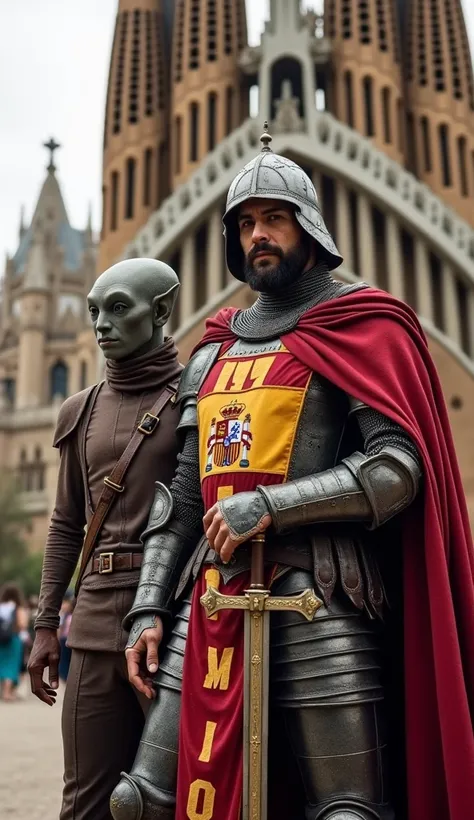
[[306, 603]]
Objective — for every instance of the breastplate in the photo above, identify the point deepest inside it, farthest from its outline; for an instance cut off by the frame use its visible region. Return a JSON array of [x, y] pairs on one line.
[[320, 428]]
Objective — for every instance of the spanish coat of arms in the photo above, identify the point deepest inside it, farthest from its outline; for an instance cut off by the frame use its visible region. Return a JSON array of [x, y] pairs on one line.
[[230, 438]]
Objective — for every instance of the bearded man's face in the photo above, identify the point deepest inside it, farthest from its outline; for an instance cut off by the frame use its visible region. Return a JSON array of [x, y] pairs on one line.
[[276, 249]]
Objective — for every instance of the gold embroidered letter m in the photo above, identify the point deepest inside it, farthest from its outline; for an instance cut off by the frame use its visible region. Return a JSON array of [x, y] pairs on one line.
[[218, 673]]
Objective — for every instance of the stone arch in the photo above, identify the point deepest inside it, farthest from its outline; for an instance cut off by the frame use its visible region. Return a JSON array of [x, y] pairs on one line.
[[287, 68]]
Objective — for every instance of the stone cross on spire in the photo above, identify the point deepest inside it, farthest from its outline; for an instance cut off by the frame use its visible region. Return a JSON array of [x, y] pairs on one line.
[[52, 145]]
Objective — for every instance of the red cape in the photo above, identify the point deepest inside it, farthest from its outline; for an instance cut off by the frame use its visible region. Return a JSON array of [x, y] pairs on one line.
[[372, 346]]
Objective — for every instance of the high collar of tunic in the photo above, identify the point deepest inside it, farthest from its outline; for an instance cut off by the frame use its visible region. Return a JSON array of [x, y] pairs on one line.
[[150, 371]]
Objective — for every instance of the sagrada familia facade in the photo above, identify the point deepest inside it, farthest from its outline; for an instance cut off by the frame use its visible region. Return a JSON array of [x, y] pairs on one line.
[[375, 99]]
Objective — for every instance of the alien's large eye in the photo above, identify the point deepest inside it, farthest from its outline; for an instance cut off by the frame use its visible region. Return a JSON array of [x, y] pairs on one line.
[[119, 308], [93, 313]]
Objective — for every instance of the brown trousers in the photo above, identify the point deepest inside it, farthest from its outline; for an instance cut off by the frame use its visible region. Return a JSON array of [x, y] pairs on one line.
[[102, 721]]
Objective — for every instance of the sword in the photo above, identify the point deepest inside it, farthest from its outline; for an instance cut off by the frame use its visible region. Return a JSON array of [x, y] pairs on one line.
[[257, 604]]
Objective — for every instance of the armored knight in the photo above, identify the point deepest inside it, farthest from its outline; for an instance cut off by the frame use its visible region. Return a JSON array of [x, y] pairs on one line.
[[316, 416]]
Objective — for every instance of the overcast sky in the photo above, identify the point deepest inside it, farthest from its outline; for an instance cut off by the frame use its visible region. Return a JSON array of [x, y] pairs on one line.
[[54, 62]]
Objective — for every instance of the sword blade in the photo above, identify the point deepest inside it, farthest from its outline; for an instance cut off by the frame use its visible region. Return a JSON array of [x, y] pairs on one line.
[[255, 747]]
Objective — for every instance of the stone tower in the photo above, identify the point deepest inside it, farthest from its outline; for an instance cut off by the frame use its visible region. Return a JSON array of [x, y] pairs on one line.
[[47, 349], [136, 175], [366, 88], [208, 100], [440, 101], [34, 303]]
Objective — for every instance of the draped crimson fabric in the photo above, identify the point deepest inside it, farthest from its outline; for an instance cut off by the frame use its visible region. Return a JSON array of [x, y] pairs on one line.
[[372, 346]]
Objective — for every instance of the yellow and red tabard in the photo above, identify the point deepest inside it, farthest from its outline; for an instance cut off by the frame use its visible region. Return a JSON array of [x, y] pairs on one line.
[[248, 412]]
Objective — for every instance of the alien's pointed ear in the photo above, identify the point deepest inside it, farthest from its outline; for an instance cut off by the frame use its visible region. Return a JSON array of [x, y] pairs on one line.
[[163, 305]]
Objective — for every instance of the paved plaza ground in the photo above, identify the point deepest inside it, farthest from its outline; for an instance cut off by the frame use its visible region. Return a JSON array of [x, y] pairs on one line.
[[30, 759]]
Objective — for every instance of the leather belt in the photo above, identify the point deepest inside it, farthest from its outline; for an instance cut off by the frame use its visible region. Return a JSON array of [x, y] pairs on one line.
[[108, 562]]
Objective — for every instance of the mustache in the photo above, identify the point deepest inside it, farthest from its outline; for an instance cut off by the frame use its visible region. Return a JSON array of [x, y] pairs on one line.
[[264, 246]]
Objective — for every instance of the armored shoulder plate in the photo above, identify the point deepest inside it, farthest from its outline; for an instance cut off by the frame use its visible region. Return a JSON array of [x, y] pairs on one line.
[[72, 411], [196, 371], [355, 405]]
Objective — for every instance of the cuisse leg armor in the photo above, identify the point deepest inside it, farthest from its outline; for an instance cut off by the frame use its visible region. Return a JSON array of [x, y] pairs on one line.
[[149, 791], [325, 677]]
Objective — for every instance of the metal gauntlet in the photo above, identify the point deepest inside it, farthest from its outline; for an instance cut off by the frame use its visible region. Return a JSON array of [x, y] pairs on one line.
[[368, 489], [167, 546]]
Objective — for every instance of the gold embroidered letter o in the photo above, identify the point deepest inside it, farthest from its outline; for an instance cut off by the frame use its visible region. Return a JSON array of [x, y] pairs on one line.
[[207, 809]]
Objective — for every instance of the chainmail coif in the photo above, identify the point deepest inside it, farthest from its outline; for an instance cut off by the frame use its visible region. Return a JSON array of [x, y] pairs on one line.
[[274, 314]]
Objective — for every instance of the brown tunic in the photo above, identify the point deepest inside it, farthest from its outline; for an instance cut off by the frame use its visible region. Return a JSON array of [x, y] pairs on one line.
[[91, 439]]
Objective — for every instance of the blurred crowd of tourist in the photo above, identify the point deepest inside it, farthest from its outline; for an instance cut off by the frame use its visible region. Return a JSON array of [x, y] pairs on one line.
[[17, 617]]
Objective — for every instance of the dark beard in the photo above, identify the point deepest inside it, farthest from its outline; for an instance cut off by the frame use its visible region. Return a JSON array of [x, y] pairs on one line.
[[280, 276]]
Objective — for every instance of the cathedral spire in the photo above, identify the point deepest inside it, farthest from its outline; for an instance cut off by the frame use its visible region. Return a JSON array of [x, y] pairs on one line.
[[440, 87], [209, 98], [135, 161], [366, 68]]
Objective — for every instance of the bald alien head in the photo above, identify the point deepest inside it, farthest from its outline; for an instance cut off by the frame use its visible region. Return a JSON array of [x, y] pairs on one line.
[[129, 304]]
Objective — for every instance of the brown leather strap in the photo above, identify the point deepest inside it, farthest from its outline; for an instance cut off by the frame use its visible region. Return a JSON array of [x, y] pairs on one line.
[[108, 562], [114, 482]]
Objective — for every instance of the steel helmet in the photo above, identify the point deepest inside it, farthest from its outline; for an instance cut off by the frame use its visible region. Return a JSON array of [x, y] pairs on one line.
[[271, 176]]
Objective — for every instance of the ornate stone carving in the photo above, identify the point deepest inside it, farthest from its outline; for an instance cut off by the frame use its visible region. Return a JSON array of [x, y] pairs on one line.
[[287, 118]]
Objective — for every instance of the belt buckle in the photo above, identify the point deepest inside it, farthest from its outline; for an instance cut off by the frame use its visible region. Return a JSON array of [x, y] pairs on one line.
[[148, 424], [106, 563]]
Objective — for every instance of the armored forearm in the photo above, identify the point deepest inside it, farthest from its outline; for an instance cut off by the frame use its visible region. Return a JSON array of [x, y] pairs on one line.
[[367, 489], [371, 490], [167, 546]]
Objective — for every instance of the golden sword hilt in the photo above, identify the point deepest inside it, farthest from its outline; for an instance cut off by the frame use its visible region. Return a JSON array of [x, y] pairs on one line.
[[307, 602], [257, 598]]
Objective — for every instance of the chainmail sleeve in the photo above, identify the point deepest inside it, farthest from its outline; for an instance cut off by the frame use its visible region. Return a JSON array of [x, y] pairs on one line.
[[379, 432], [186, 485]]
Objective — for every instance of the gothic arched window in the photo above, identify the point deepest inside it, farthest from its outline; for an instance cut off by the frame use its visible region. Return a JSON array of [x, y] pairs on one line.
[[426, 142], [211, 120], [177, 146], [147, 176], [462, 159], [387, 120], [445, 154], [114, 194], [9, 391], [229, 109], [130, 168], [349, 95], [59, 380], [194, 132], [284, 71], [367, 85]]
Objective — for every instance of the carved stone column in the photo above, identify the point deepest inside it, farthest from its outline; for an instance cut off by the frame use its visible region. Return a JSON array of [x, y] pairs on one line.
[[215, 260], [343, 226], [187, 277], [366, 241], [424, 295], [451, 305], [394, 257]]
